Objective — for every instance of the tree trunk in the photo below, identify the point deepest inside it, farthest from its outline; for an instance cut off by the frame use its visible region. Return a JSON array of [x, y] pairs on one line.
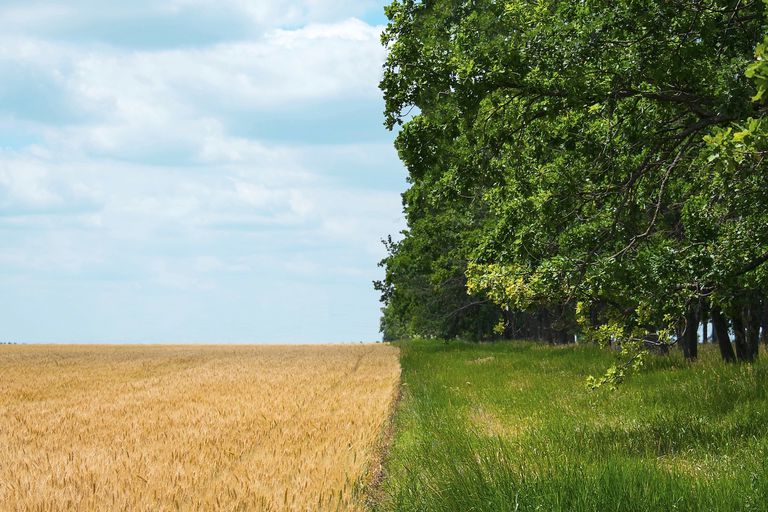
[[509, 319], [720, 328], [764, 323], [561, 325], [530, 329], [539, 329], [690, 336], [549, 328], [752, 328], [743, 352], [704, 320]]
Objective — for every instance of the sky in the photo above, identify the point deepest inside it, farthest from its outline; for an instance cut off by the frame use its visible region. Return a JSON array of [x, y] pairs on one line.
[[193, 171]]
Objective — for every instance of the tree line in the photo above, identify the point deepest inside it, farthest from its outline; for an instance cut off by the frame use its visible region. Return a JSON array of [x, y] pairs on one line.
[[589, 170]]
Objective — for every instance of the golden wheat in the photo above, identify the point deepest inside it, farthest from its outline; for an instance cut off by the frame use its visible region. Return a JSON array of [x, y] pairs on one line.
[[191, 428]]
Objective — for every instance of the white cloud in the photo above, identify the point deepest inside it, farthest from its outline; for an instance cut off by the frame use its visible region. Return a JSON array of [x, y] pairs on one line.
[[280, 13], [315, 62], [177, 103], [134, 202], [210, 20], [144, 175]]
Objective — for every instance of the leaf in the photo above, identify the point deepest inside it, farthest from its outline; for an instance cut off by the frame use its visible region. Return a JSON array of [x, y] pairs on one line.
[[740, 136]]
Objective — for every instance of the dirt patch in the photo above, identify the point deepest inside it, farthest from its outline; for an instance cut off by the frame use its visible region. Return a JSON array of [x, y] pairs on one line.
[[482, 360], [373, 489], [491, 425]]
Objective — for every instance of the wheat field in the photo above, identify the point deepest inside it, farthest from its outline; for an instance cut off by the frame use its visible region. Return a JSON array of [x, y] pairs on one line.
[[192, 428]]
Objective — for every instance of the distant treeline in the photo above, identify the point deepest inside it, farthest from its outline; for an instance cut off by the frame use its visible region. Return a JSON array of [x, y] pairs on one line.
[[593, 170]]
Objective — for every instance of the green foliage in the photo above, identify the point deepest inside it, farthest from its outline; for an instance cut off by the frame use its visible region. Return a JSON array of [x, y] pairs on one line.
[[758, 70], [505, 427], [606, 154], [424, 288], [503, 284]]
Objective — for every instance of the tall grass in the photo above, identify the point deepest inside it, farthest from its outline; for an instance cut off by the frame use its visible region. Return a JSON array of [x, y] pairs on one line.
[[513, 427]]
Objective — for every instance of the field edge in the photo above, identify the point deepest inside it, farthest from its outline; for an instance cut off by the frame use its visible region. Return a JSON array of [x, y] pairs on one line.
[[372, 488]]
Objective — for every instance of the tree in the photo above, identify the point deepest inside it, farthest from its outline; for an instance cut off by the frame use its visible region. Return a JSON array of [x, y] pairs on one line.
[[424, 288], [614, 149]]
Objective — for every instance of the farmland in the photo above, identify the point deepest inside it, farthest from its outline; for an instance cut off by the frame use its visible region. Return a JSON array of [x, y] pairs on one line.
[[191, 427]]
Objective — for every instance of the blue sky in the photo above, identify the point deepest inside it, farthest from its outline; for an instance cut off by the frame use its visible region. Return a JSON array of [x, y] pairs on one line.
[[193, 171]]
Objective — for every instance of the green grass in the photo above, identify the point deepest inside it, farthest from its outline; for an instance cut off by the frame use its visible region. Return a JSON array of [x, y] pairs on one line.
[[513, 427]]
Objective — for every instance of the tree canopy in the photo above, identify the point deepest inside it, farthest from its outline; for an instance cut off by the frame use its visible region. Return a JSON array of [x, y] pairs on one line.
[[596, 166]]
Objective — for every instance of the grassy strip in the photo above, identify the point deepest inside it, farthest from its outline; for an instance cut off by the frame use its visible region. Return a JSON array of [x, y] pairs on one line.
[[513, 427]]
